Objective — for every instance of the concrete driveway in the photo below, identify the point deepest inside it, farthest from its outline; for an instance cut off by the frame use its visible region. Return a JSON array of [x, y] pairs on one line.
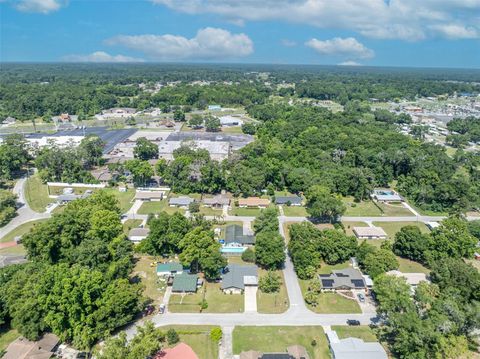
[[250, 295]]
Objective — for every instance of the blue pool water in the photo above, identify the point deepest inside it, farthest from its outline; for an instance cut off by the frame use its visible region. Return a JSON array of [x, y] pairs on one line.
[[233, 249]]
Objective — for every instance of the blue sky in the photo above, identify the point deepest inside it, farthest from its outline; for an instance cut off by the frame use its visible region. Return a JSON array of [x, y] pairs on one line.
[[428, 33]]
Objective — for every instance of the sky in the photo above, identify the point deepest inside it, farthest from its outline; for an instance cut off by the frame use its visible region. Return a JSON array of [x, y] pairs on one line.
[[406, 33]]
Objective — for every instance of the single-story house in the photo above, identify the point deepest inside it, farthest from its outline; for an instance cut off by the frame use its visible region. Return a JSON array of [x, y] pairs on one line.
[[147, 196], [23, 348], [386, 195], [229, 120], [217, 201], [292, 200], [184, 283], [236, 277], [369, 233], [293, 352], [168, 269], [413, 279], [252, 202], [183, 201], [234, 235], [214, 108], [67, 198], [138, 234], [102, 174], [179, 351], [350, 348], [342, 279]]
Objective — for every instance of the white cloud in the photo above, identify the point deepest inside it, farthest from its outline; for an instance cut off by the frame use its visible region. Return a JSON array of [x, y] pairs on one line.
[[208, 44], [349, 63], [454, 31], [394, 19], [347, 47], [40, 6], [100, 56]]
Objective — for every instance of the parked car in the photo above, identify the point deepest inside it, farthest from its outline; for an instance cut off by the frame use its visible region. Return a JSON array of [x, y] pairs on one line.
[[361, 297], [162, 308], [353, 322]]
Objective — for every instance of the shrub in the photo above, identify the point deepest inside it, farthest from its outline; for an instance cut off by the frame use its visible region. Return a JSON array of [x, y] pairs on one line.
[[270, 283], [248, 255], [172, 337], [216, 334]]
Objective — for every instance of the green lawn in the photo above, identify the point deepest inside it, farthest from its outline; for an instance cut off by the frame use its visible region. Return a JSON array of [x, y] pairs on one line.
[[277, 339], [271, 303], [14, 250], [327, 268], [6, 337], [157, 207], [218, 302], [370, 209], [391, 228], [21, 230], [198, 338], [208, 211], [362, 332], [295, 211], [36, 194], [331, 303], [364, 208], [131, 223], [394, 210], [232, 129], [124, 198], [245, 212], [408, 266], [426, 212]]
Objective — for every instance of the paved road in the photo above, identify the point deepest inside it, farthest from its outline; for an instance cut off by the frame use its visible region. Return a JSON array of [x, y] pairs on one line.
[[24, 213]]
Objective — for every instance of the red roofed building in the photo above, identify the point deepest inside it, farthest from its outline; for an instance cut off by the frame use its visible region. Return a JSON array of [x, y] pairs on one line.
[[180, 351]]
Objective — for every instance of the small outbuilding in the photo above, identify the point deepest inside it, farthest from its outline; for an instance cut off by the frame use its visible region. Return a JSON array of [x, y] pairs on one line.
[[169, 269]]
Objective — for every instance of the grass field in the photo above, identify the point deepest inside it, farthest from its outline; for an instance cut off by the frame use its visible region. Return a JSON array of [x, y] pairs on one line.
[[364, 208], [232, 129], [295, 211], [245, 212], [153, 289], [21, 230], [20, 250], [208, 211], [277, 339], [331, 303], [157, 207], [6, 337], [426, 212], [391, 228], [362, 332], [36, 194], [271, 303], [371, 209], [198, 338], [124, 198], [327, 268], [218, 302], [408, 266]]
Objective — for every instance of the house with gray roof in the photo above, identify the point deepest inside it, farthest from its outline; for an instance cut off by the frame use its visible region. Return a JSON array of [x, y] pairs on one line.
[[234, 234], [288, 200], [217, 201], [183, 201], [138, 234], [354, 348], [236, 277], [343, 279]]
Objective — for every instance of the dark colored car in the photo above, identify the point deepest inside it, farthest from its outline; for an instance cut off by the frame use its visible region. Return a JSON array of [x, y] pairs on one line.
[[353, 322]]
